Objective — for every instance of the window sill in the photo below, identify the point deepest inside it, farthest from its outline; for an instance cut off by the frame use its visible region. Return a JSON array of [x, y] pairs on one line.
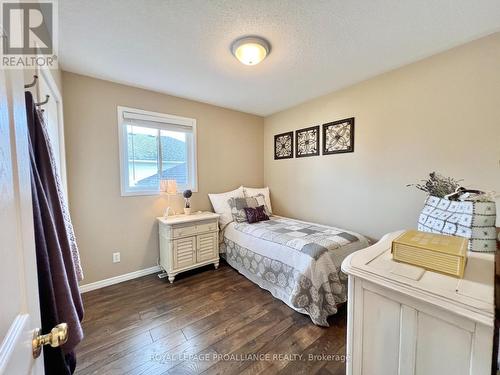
[[152, 192]]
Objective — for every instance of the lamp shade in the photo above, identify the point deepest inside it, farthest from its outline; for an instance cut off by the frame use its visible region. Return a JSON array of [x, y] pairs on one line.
[[168, 186]]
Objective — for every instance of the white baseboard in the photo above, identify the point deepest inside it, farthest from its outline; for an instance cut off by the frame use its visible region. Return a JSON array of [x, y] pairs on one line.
[[118, 279]]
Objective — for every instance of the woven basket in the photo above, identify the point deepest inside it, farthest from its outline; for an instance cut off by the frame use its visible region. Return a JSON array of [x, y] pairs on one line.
[[472, 220]]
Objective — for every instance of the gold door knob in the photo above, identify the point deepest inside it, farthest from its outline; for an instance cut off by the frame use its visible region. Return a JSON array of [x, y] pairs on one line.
[[57, 336]]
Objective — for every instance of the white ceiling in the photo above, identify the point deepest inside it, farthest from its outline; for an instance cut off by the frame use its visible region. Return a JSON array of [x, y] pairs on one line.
[[181, 47]]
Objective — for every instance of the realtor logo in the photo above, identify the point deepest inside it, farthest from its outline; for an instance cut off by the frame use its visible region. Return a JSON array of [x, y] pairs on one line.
[[29, 34]]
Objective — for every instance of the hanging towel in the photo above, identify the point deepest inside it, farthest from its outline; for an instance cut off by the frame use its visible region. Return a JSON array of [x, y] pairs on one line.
[[60, 299], [75, 254]]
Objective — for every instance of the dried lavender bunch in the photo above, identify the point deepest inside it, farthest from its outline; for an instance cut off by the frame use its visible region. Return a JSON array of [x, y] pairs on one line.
[[438, 185]]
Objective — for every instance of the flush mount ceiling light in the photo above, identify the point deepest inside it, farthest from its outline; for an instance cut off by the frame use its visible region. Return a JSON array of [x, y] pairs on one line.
[[250, 50]]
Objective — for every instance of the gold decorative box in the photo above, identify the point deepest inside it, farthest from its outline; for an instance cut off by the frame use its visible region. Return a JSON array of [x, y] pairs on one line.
[[434, 252]]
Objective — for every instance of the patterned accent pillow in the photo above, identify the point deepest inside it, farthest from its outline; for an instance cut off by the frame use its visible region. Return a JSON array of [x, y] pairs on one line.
[[256, 214], [252, 192], [238, 206]]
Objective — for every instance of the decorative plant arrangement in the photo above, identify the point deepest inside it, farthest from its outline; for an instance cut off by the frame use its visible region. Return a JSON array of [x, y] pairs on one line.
[[437, 185], [187, 194], [453, 210]]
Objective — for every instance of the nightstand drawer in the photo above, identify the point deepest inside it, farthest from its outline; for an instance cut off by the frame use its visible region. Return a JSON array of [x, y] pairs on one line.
[[208, 227], [190, 230], [184, 231]]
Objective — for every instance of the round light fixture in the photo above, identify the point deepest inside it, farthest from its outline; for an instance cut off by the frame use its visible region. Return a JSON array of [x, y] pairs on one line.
[[250, 50]]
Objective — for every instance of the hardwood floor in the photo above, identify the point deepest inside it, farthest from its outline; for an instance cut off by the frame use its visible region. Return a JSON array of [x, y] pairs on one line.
[[209, 321]]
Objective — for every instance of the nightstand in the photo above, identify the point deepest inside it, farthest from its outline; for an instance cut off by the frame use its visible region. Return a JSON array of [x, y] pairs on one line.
[[188, 241]]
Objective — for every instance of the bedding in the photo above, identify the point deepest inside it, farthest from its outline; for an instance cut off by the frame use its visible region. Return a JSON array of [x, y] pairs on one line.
[[297, 261]]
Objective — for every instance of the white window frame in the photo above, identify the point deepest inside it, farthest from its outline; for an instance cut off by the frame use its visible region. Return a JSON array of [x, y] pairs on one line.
[[160, 121]]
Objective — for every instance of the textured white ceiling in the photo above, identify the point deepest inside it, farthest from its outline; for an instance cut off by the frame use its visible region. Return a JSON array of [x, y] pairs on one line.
[[181, 47]]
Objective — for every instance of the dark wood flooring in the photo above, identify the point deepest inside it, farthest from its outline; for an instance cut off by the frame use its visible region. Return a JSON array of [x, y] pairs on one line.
[[209, 321]]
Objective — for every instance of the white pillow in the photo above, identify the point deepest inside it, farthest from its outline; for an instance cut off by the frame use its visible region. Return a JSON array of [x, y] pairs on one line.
[[221, 205], [251, 192]]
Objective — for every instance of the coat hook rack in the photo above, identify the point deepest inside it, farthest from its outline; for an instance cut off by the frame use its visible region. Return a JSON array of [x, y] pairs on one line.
[[35, 80], [44, 102]]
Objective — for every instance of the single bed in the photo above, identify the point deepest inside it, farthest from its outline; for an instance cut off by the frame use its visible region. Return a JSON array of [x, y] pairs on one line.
[[297, 261]]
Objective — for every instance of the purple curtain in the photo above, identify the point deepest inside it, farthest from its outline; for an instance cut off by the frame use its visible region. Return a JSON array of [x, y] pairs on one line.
[[60, 299]]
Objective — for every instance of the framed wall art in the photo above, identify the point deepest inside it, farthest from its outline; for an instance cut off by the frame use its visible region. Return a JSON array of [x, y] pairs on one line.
[[283, 146], [338, 136], [307, 142]]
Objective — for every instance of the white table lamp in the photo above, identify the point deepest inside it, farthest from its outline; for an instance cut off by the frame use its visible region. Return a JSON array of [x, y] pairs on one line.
[[168, 187]]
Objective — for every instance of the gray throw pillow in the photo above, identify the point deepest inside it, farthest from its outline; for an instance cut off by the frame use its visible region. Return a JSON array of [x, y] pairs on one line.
[[238, 206]]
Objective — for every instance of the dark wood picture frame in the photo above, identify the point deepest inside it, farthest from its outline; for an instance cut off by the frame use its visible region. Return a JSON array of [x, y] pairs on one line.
[[297, 145], [350, 147], [276, 156]]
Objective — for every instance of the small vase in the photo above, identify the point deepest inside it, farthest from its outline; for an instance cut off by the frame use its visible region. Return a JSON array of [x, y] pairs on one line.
[[187, 211]]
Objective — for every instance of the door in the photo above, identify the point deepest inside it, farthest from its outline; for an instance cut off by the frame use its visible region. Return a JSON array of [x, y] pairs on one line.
[[184, 252], [19, 306], [207, 247]]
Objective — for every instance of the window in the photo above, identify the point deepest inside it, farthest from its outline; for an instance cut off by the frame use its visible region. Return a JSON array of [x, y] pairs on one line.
[[154, 147]]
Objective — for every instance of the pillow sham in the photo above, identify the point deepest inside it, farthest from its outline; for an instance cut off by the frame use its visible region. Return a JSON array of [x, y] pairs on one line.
[[256, 214], [238, 206], [221, 206], [251, 192]]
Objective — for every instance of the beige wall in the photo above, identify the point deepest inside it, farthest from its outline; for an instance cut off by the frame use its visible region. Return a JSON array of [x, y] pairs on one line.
[[442, 113], [229, 154]]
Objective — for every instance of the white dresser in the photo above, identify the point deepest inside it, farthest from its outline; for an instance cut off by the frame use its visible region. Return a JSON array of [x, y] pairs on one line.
[[405, 320], [188, 241]]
